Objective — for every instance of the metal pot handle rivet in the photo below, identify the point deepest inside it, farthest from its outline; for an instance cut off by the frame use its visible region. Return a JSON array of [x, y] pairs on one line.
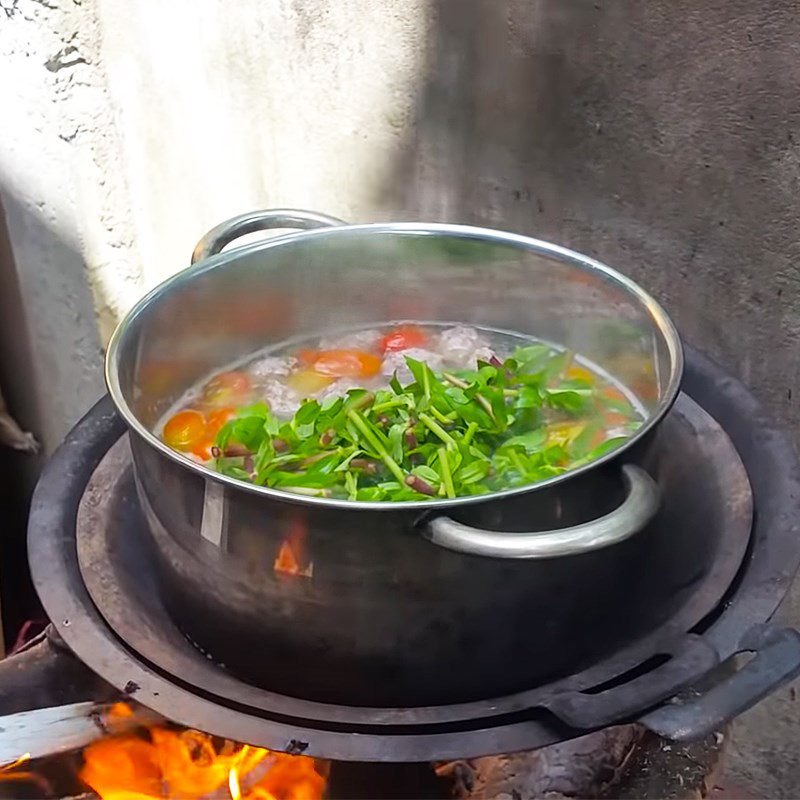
[[253, 221], [638, 508]]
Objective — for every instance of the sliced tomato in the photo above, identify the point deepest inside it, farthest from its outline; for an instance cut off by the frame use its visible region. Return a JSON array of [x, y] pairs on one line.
[[347, 364], [227, 388], [216, 419], [185, 430], [403, 337], [202, 448]]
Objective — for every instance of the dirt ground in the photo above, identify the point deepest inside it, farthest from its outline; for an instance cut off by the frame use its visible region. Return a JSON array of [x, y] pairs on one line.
[[763, 756]]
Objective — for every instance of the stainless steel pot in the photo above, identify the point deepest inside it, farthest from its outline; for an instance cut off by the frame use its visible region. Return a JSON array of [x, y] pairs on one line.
[[425, 602]]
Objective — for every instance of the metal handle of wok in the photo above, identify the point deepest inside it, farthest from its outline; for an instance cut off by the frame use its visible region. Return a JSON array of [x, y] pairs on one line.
[[638, 508], [253, 221], [775, 663]]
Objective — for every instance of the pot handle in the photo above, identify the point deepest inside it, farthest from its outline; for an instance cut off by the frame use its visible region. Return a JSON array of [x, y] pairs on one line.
[[638, 508], [224, 233]]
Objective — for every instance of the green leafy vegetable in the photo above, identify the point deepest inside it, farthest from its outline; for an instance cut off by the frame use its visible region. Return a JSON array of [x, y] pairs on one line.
[[465, 432]]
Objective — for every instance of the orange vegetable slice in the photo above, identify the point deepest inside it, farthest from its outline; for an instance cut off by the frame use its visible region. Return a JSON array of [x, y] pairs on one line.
[[216, 419], [307, 382], [347, 364], [227, 388], [404, 337], [184, 430]]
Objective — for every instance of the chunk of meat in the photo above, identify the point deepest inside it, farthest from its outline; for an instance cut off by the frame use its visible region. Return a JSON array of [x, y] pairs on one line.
[[281, 399], [396, 362], [462, 346], [338, 388], [357, 340], [272, 366]]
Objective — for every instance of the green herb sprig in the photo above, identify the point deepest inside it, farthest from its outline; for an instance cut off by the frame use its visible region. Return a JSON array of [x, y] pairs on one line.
[[461, 432]]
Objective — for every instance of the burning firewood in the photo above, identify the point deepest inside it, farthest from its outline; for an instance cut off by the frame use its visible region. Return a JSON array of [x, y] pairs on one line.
[[47, 731], [127, 751], [575, 768]]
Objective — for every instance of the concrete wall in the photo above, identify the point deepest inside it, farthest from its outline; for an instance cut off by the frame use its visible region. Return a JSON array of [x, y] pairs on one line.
[[662, 137]]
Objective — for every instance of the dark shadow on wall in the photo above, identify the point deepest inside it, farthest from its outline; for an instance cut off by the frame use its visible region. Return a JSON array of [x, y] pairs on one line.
[[661, 137], [50, 373], [18, 471]]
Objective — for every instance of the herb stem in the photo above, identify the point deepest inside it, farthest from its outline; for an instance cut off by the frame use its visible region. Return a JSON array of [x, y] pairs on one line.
[[455, 381], [471, 430], [434, 427], [361, 402], [307, 491], [351, 484], [445, 419], [396, 403], [373, 440], [519, 463], [485, 404], [419, 485], [309, 460], [447, 475]]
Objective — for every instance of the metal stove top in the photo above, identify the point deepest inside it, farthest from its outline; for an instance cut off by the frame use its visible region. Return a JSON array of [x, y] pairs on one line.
[[108, 614]]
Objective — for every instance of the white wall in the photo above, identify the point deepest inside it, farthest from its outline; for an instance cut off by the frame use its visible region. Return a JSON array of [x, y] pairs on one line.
[[663, 138], [129, 128]]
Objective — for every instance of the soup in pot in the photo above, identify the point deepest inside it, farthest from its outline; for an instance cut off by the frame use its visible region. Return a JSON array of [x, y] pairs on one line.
[[402, 412]]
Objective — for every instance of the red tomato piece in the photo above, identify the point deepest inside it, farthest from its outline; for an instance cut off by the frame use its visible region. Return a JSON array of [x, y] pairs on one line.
[[403, 338], [227, 387], [347, 364], [216, 419], [203, 447], [184, 430]]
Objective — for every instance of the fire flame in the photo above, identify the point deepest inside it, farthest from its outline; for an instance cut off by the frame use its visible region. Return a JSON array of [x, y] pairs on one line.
[[14, 764], [293, 553], [168, 764], [286, 561], [9, 772]]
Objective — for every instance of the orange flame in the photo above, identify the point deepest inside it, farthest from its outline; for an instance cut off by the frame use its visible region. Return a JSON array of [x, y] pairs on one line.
[[293, 553], [14, 764], [286, 561], [8, 773], [187, 764]]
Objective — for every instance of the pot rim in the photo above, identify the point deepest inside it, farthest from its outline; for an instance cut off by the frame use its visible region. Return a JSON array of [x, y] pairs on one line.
[[658, 315]]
